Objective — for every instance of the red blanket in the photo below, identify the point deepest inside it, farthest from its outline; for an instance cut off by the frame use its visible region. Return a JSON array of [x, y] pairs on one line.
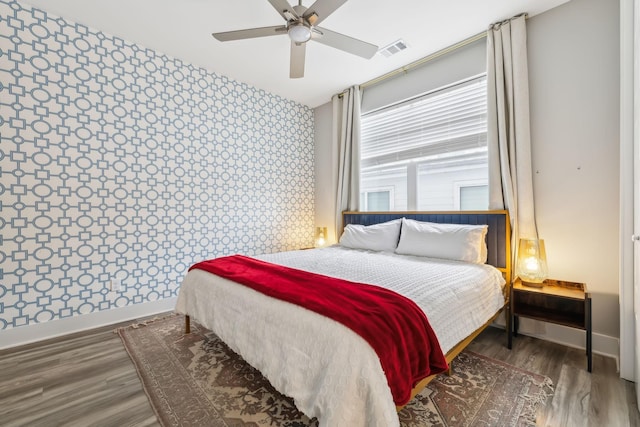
[[393, 325]]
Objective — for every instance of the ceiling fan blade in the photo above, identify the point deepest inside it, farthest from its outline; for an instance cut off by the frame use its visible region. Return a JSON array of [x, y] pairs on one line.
[[346, 43], [322, 8], [282, 6], [297, 60], [250, 33]]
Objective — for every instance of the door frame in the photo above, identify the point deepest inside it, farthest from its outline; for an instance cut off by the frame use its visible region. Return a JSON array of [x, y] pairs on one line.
[[629, 9]]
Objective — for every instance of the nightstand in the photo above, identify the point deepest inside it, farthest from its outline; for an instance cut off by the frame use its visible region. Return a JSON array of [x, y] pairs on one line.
[[560, 302]]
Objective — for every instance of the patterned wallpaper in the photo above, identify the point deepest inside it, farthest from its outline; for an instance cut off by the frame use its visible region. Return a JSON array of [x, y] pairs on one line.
[[119, 162]]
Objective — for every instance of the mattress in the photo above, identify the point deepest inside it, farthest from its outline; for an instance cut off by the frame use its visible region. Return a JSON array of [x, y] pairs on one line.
[[330, 371]]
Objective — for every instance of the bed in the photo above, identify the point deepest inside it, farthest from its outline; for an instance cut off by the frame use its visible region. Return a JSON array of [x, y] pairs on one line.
[[331, 372]]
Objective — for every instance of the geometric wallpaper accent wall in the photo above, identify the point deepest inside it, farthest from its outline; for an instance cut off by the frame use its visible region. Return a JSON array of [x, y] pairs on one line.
[[120, 162]]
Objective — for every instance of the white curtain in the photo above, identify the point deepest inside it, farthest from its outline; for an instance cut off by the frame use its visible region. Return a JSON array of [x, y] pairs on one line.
[[509, 142], [346, 152]]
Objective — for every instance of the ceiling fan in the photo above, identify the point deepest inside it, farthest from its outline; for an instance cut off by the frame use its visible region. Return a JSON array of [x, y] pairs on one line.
[[301, 26]]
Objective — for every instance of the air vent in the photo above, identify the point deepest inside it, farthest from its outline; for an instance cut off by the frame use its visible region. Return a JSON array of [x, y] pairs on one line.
[[393, 48]]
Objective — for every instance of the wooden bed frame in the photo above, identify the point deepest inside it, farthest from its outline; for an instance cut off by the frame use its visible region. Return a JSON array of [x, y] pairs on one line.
[[499, 255]]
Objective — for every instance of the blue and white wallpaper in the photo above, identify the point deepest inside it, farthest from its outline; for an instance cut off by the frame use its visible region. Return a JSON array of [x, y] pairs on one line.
[[120, 162]]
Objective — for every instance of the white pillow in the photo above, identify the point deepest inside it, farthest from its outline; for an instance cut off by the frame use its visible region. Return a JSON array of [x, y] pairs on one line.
[[376, 237], [458, 242]]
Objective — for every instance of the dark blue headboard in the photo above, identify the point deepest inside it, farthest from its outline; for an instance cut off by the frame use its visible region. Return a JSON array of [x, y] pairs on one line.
[[498, 235]]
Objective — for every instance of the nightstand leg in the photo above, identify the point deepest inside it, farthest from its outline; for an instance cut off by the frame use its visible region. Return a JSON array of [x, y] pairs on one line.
[[508, 322], [516, 322]]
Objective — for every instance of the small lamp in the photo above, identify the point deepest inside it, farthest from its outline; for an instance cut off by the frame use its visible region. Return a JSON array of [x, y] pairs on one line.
[[532, 262], [321, 236]]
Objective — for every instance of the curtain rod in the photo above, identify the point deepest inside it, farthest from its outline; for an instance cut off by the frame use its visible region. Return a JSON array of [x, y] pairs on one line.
[[431, 57], [404, 69]]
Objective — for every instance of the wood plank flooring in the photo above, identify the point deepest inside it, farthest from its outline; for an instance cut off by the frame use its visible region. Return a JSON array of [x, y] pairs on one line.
[[88, 379], [581, 399]]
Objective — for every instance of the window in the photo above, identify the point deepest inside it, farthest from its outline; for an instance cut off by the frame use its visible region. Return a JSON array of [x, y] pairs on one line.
[[428, 153], [471, 196], [380, 200]]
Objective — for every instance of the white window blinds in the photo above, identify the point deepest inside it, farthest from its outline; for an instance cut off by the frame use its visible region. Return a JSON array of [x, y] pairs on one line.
[[449, 123]]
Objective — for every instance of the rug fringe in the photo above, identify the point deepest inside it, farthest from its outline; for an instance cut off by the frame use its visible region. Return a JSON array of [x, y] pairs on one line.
[[528, 415], [145, 322]]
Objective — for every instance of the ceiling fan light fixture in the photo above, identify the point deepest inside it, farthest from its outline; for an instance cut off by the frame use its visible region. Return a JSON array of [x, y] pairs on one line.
[[299, 33]]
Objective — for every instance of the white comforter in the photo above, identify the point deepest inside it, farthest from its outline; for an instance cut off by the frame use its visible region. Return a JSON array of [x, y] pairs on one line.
[[330, 371]]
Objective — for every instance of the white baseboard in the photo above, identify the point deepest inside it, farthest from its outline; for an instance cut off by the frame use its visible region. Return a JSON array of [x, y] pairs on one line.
[[41, 331], [604, 345]]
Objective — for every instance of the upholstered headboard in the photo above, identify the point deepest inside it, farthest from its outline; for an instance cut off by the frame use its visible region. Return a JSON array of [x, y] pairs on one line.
[[498, 234]]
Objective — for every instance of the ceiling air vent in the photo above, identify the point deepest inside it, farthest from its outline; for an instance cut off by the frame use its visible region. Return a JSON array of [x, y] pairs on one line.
[[393, 48]]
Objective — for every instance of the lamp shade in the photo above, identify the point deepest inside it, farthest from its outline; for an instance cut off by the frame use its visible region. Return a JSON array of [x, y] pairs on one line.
[[321, 236], [532, 261]]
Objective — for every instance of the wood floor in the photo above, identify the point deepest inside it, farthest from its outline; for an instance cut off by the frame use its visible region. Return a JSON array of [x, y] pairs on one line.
[[88, 380], [597, 399]]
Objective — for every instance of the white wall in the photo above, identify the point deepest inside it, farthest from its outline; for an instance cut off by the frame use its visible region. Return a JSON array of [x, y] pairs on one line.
[[574, 78], [574, 83]]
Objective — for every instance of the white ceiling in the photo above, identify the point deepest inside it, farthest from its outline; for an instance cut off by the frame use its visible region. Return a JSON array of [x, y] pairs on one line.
[[183, 28]]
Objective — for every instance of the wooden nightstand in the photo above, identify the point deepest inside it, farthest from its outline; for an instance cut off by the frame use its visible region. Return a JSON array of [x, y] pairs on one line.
[[563, 303]]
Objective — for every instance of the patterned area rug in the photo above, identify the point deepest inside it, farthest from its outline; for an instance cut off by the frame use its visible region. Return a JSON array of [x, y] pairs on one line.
[[197, 380]]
